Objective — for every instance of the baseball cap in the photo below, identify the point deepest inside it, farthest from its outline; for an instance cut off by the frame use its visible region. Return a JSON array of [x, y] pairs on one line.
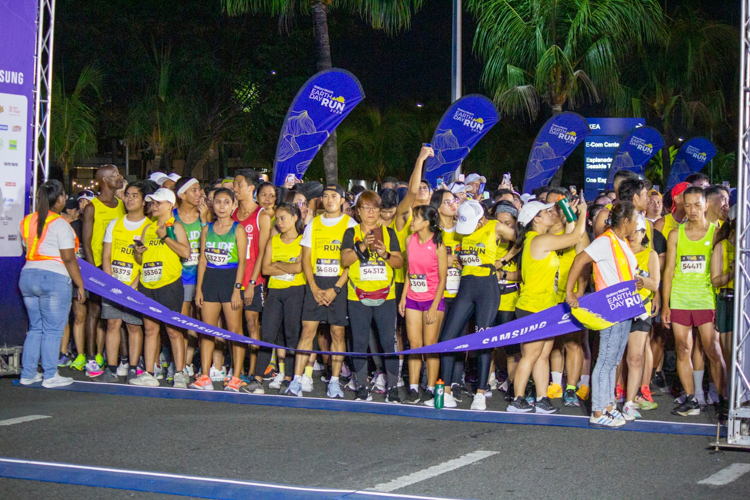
[[475, 178], [654, 192], [457, 187], [527, 197], [158, 177], [175, 177], [679, 189], [469, 213], [86, 194], [335, 188], [162, 194], [531, 209]]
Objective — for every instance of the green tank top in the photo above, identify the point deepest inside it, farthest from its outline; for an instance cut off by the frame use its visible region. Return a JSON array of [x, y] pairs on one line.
[[691, 287], [221, 249], [190, 266]]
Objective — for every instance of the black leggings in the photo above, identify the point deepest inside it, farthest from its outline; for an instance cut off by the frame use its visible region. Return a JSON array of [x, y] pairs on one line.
[[360, 319], [478, 296], [282, 307]]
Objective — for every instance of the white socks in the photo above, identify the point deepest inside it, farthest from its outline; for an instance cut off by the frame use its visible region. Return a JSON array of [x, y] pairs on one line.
[[557, 378], [698, 381], [414, 386]]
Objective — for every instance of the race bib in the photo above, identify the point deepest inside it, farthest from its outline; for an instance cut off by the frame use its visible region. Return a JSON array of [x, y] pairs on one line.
[[470, 258], [693, 264], [453, 281], [327, 268], [193, 260], [287, 277], [217, 256], [418, 283], [151, 272], [123, 271], [373, 271]]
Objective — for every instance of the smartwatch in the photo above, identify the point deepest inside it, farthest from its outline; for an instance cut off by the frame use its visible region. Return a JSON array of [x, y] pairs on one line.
[[253, 282], [238, 286], [337, 289]]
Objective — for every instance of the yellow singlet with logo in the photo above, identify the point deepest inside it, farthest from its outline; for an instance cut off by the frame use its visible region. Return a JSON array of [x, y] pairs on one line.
[[452, 241], [538, 279], [283, 252], [161, 266], [479, 251], [375, 274], [642, 258], [103, 215], [124, 266], [507, 300], [566, 262], [326, 247], [401, 237]]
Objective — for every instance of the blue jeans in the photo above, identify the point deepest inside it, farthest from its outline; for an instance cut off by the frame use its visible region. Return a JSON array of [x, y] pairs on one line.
[[46, 296], [612, 343]]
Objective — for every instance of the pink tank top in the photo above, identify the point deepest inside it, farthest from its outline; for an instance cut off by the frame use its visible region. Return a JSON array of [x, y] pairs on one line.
[[423, 270]]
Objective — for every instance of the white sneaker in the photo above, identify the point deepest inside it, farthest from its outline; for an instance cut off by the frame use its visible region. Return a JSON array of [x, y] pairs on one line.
[[33, 380], [345, 371], [400, 382], [145, 379], [92, 368], [616, 414], [56, 381], [122, 369], [189, 370], [158, 371], [379, 383], [493, 381], [488, 394], [504, 386], [179, 381], [448, 401], [307, 383], [170, 371], [630, 410], [317, 367], [276, 382], [351, 385], [606, 421], [217, 375], [479, 403]]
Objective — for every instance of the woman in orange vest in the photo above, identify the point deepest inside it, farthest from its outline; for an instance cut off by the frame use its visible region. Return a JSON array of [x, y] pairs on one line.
[[46, 284]]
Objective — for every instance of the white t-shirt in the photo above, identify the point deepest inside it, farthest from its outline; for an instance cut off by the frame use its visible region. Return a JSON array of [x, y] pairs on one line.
[[601, 252], [130, 226], [60, 236], [307, 236]]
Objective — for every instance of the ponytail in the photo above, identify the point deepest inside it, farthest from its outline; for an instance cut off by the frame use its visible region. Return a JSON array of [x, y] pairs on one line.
[[46, 196], [294, 211], [431, 215]]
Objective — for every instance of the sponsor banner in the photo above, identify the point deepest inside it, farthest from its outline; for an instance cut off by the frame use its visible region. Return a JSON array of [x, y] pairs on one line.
[[611, 305], [556, 140], [462, 126], [598, 156], [692, 157], [318, 108], [637, 148], [17, 47]]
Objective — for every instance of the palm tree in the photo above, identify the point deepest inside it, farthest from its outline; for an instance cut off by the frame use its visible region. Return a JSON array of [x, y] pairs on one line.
[[389, 15], [73, 122]]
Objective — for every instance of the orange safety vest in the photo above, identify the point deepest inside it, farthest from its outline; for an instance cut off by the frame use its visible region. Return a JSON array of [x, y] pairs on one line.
[[621, 262], [28, 233]]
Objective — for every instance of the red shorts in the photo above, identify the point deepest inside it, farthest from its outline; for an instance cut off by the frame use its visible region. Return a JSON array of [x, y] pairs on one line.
[[688, 318]]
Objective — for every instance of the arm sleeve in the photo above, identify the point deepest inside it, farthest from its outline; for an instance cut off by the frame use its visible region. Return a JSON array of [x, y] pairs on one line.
[[348, 242], [109, 231], [394, 246]]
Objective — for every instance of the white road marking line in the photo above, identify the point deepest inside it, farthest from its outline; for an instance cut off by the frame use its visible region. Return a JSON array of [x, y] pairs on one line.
[[433, 471], [20, 420], [727, 475]]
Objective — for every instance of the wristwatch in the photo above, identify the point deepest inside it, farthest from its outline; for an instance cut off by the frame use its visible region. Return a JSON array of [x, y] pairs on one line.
[[253, 282], [337, 289], [238, 286]]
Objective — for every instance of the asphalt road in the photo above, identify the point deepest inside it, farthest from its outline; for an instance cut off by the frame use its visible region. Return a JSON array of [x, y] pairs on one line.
[[349, 450]]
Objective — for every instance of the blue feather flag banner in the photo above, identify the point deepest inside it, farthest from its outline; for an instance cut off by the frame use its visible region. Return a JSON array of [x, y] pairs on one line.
[[691, 158], [462, 126], [556, 140], [318, 108], [638, 147]]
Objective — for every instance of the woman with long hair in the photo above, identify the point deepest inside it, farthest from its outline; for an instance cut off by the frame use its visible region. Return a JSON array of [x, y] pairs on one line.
[[46, 284]]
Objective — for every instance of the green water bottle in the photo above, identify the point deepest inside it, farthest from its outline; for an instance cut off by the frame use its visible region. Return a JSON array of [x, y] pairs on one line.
[[566, 210], [439, 394], [170, 232]]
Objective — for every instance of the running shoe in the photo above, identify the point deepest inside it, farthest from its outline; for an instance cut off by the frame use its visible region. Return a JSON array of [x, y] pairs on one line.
[[488, 392], [644, 400], [554, 391], [295, 388], [132, 374], [722, 410], [688, 408], [107, 377], [217, 375], [392, 396], [412, 397], [631, 410], [583, 392], [244, 378], [346, 372], [363, 394], [158, 371], [334, 389], [617, 414], [145, 379], [504, 386], [234, 384], [122, 368], [351, 385], [284, 386], [457, 391], [203, 384], [170, 371], [606, 421], [660, 382], [276, 381], [93, 368], [56, 381], [270, 373], [570, 398], [379, 383], [253, 387], [190, 370], [545, 406], [712, 396], [448, 401], [307, 383], [33, 380], [179, 381], [79, 363], [317, 367], [530, 395], [400, 382], [479, 402], [494, 384], [520, 405], [619, 393], [64, 361], [100, 359], [326, 375]]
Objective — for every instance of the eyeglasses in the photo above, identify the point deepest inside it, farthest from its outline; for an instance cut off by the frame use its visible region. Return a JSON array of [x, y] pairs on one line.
[[369, 208], [301, 204], [453, 201]]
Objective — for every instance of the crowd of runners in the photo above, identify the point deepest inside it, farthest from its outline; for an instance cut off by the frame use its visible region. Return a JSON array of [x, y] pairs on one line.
[[314, 267]]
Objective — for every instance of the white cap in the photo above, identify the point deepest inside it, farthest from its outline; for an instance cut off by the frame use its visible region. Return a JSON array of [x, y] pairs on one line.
[[531, 209], [469, 213], [475, 178], [175, 177], [86, 194], [641, 223], [162, 194], [158, 177], [457, 187], [527, 197]]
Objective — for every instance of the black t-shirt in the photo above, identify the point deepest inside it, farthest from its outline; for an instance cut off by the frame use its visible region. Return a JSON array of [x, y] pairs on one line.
[[659, 243], [348, 242], [77, 226]]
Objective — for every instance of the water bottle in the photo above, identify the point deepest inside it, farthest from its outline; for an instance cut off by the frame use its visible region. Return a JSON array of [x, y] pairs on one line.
[[566, 210], [170, 232], [439, 394]]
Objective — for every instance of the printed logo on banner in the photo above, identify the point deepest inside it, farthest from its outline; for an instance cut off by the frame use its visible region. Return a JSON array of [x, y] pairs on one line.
[[12, 145], [326, 98], [563, 133], [14, 77], [3, 127], [696, 153], [641, 145], [1, 144], [12, 237], [17, 128], [466, 118], [2, 109], [692, 157]]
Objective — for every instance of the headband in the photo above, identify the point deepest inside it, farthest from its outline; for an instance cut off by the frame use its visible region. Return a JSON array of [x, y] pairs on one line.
[[187, 185], [500, 209]]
